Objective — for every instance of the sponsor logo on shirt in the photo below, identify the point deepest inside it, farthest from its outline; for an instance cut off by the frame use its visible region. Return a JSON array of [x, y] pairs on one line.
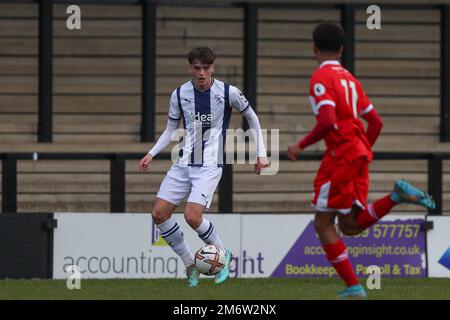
[[203, 119]]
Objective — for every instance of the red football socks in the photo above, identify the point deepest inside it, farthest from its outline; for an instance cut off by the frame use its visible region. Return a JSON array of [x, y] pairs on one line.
[[338, 256], [375, 211]]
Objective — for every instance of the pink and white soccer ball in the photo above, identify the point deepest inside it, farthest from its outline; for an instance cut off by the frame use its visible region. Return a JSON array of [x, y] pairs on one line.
[[209, 260]]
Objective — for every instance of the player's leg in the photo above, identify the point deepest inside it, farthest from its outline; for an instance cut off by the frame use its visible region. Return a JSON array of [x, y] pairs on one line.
[[403, 192], [193, 213], [172, 233], [173, 190], [360, 190], [170, 230], [204, 182], [333, 189], [361, 219], [365, 216], [347, 222], [207, 232], [336, 253]]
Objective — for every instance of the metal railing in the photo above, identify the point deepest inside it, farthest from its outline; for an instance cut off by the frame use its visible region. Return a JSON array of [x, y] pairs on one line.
[[118, 183]]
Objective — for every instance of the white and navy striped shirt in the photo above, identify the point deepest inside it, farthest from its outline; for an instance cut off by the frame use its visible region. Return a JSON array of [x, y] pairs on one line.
[[206, 117]]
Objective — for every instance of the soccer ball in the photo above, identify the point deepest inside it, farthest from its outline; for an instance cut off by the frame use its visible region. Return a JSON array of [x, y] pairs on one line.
[[209, 260]]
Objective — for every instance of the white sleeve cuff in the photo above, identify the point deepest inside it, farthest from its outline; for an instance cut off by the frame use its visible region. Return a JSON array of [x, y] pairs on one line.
[[366, 110], [325, 103]]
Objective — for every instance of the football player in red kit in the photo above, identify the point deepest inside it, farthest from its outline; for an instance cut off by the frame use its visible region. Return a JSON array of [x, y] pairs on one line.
[[341, 185]]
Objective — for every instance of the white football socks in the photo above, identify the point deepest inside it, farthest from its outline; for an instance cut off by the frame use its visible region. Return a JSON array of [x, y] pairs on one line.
[[171, 232], [208, 234]]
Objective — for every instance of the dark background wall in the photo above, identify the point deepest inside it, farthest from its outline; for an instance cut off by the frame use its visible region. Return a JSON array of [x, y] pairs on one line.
[[26, 245]]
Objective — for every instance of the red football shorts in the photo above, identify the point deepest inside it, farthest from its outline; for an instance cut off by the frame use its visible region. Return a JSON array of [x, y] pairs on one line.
[[339, 184]]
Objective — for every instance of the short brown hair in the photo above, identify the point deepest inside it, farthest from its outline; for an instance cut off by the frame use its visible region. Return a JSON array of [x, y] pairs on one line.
[[202, 54]]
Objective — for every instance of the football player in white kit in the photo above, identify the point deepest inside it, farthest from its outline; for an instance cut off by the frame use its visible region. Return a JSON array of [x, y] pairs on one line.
[[203, 105]]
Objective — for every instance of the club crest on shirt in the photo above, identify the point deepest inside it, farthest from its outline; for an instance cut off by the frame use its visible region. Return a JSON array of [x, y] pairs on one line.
[[319, 89], [219, 99]]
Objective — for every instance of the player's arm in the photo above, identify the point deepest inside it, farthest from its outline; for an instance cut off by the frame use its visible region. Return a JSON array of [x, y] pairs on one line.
[[173, 123], [322, 99], [163, 141], [368, 113], [326, 121], [241, 104], [255, 127], [374, 124]]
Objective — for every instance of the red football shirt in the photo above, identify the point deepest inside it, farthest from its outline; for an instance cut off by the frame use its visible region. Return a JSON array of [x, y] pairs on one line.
[[332, 85]]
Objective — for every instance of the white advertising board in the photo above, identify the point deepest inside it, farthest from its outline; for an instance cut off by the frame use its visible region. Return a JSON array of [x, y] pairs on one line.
[[112, 245], [106, 245], [438, 247]]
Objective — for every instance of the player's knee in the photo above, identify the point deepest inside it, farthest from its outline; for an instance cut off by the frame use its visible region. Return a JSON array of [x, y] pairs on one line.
[[347, 230], [193, 218], [350, 232], [159, 215], [321, 225], [348, 226]]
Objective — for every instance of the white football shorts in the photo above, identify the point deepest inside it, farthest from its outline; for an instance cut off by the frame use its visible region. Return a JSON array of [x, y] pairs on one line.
[[199, 183]]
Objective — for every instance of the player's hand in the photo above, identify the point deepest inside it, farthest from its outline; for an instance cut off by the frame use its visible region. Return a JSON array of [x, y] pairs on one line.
[[261, 162], [145, 162], [293, 151]]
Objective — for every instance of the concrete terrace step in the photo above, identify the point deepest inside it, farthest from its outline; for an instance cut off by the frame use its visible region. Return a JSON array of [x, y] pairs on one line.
[[245, 183], [266, 104], [292, 202], [119, 123], [129, 142], [161, 166], [170, 66], [165, 13]]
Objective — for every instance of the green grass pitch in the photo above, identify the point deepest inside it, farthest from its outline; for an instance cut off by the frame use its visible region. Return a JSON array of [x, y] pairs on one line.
[[233, 289]]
